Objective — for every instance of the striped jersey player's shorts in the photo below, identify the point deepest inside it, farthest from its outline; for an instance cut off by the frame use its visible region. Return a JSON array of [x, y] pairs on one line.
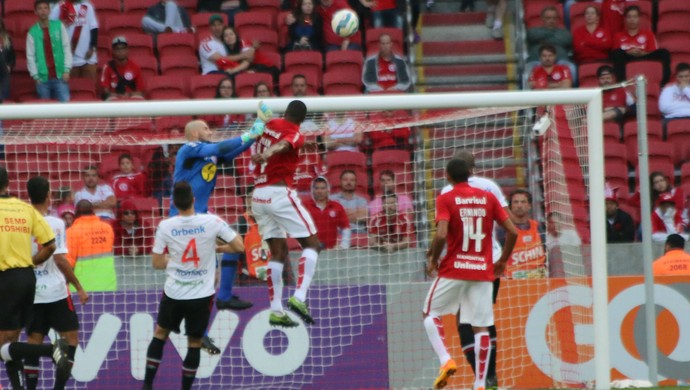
[[278, 210], [446, 296]]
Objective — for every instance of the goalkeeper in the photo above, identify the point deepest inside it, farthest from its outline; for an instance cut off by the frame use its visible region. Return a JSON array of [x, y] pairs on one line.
[[196, 163]]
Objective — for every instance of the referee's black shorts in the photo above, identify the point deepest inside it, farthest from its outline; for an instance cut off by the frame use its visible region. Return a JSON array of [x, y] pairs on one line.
[[17, 289], [195, 312], [59, 315]]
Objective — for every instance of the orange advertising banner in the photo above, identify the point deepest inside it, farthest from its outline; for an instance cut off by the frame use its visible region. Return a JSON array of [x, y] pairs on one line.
[[546, 335]]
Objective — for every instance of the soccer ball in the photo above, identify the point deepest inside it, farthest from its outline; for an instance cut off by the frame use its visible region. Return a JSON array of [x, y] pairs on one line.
[[345, 23]]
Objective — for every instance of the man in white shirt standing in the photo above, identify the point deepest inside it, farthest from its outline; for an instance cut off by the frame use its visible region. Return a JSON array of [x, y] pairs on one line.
[[53, 307], [101, 196], [674, 101], [190, 240], [465, 330], [79, 17]]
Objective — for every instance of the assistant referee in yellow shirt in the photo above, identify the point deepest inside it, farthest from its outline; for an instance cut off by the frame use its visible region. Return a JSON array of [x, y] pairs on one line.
[[20, 225]]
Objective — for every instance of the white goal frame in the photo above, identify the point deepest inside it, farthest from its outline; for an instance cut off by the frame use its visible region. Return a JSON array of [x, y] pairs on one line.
[[592, 98]]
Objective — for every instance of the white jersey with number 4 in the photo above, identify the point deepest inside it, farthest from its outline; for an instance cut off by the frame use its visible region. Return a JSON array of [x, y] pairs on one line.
[[487, 185], [191, 244], [51, 285]]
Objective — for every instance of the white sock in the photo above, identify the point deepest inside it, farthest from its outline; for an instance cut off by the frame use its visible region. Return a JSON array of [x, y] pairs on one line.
[[498, 24], [307, 269], [5, 353], [482, 353], [275, 285], [434, 329]]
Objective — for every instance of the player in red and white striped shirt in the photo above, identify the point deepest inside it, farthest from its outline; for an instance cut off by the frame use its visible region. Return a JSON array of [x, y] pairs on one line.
[[465, 218]]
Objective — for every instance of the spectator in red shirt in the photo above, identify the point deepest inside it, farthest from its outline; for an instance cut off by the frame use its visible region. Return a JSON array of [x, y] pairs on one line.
[[636, 44], [333, 41], [386, 71], [329, 216], [129, 183], [390, 231], [121, 77], [616, 100], [667, 218], [549, 75], [384, 13], [612, 12], [389, 138], [305, 27], [310, 166], [133, 237], [591, 42]]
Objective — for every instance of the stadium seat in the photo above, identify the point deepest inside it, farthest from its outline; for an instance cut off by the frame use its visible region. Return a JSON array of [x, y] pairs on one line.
[[81, 88], [200, 20], [139, 44], [20, 68], [397, 161], [650, 69], [189, 5], [245, 82], [677, 44], [136, 9], [678, 135], [165, 124], [587, 73], [176, 44], [342, 83], [165, 88], [269, 7], [673, 25], [267, 38], [286, 82], [225, 185], [133, 126], [107, 8], [19, 25], [612, 132], [14, 9], [372, 39], [533, 12], [304, 62], [148, 208], [616, 174], [19, 46], [121, 25], [664, 166], [283, 34], [685, 174], [148, 65], [250, 19], [338, 162], [204, 86], [654, 133], [184, 67], [342, 60], [228, 207], [672, 7], [272, 58], [615, 152]]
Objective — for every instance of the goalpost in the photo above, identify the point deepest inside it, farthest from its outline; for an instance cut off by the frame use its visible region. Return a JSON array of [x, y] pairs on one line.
[[552, 332]]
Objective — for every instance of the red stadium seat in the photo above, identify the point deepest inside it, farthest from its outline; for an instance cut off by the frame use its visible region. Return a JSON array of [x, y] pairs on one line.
[[343, 60], [107, 8], [133, 126], [673, 25], [685, 174], [612, 132], [267, 38], [165, 88], [654, 133], [22, 89], [342, 83], [147, 207], [286, 82], [651, 69], [165, 124], [245, 82], [304, 62], [176, 44], [587, 74], [148, 65], [200, 20], [19, 25], [19, 46], [269, 57], [204, 86], [616, 174], [121, 25], [15, 9], [139, 44], [250, 19], [662, 165], [372, 39], [183, 67], [189, 5], [82, 89], [672, 7], [269, 7], [283, 34], [615, 152], [397, 161], [678, 135], [677, 44], [340, 161], [136, 9]]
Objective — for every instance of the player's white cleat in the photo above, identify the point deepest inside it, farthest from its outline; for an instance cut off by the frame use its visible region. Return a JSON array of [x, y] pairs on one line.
[[264, 112], [255, 132]]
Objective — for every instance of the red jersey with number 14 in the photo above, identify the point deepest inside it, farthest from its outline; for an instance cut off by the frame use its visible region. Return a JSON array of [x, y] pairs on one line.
[[282, 166], [470, 213]]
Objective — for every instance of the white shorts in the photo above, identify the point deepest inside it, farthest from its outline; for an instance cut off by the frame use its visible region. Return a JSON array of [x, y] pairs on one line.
[[78, 60], [446, 296], [278, 210]]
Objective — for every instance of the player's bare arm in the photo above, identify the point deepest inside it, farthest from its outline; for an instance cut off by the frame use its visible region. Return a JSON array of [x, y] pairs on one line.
[[159, 260], [107, 203], [437, 244], [280, 147], [64, 267], [234, 246], [44, 253], [511, 238]]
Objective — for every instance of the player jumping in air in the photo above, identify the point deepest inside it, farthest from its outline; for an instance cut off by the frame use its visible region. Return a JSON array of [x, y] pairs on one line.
[[190, 239], [464, 218], [464, 329], [278, 209], [53, 307]]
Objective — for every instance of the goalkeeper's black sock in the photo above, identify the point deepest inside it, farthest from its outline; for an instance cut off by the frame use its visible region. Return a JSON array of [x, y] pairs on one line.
[[492, 359], [61, 378], [15, 373], [189, 367], [467, 343], [18, 351], [31, 371], [154, 354]]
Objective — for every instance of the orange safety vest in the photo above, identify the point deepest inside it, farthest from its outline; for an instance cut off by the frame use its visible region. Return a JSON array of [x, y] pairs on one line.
[[674, 262], [90, 252], [528, 258], [256, 251]]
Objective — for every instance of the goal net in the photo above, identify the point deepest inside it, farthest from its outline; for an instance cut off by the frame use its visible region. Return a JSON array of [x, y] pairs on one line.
[[368, 292]]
